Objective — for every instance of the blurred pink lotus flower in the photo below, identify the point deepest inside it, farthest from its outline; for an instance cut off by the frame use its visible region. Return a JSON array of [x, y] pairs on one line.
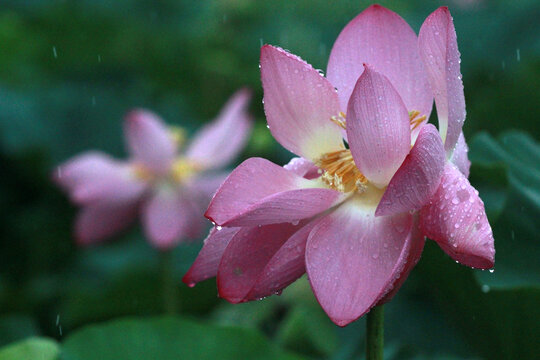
[[168, 188], [353, 218]]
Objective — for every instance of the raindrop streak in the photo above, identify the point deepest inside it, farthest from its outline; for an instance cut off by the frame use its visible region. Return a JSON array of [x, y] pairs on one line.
[[518, 55], [99, 58], [261, 41], [93, 101], [55, 54]]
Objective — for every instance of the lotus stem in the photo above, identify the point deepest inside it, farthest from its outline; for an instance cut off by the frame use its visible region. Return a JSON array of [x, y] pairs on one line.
[[375, 333]]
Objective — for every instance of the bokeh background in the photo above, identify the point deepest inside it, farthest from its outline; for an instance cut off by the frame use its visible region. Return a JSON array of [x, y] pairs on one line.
[[70, 70]]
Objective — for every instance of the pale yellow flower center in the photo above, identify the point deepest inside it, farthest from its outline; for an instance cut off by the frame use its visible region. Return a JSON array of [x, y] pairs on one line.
[[181, 170]]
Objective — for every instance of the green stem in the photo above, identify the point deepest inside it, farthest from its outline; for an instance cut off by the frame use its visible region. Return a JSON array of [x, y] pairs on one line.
[[168, 283], [375, 333]]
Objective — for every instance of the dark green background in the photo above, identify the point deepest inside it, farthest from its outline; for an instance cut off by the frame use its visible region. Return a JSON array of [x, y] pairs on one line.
[[69, 70]]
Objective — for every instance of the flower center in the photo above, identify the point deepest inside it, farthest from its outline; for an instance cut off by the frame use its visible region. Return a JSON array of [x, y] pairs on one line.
[[182, 169], [339, 172], [415, 119]]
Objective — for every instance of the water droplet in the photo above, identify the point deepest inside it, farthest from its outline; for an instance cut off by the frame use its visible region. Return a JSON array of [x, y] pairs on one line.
[[375, 256], [485, 288], [492, 270], [218, 228]]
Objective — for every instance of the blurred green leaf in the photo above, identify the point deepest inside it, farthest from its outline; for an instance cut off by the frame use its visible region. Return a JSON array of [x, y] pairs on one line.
[[498, 324], [167, 338], [516, 229], [308, 328], [31, 349], [16, 327]]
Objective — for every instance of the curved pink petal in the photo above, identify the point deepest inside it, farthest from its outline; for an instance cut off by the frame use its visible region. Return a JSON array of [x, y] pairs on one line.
[[286, 265], [97, 222], [166, 217], [456, 219], [206, 264], [417, 246], [378, 127], [460, 156], [83, 168], [303, 167], [259, 192], [246, 257], [299, 104], [95, 177], [382, 38], [149, 141], [219, 142], [439, 51], [419, 176], [353, 259]]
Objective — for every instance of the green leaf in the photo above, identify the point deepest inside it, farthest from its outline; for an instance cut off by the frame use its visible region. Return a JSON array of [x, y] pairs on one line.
[[167, 338], [31, 349]]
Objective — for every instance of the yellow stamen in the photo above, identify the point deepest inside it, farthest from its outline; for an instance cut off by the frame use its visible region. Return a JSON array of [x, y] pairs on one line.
[[340, 172], [182, 169], [340, 119], [415, 119]]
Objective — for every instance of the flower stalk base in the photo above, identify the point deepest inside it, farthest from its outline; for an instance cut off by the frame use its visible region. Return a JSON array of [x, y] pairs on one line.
[[375, 333]]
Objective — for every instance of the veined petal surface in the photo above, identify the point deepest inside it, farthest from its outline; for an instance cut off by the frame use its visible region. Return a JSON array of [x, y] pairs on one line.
[[382, 38], [259, 192], [246, 257], [299, 104], [206, 264], [353, 259], [419, 176], [456, 219], [378, 127], [437, 42], [460, 156]]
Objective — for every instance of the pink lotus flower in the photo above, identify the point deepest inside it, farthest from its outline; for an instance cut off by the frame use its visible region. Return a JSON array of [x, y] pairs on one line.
[[353, 218], [169, 189]]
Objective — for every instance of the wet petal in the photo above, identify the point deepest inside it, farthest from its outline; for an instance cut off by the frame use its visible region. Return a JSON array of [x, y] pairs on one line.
[[286, 265], [303, 167], [460, 156], [417, 246], [99, 221], [382, 38], [149, 141], [419, 176], [207, 262], [378, 127], [456, 219], [439, 51], [259, 192], [166, 217], [219, 142], [246, 257], [353, 259], [299, 104], [95, 177]]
